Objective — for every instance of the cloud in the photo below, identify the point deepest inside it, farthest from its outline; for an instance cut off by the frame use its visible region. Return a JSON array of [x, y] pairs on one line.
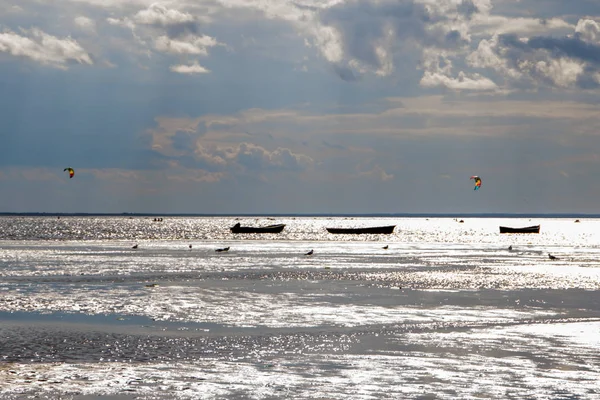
[[212, 155], [179, 140], [125, 22], [255, 157], [376, 172], [345, 73], [461, 82], [467, 8], [174, 136], [488, 55], [192, 69], [165, 29], [560, 61], [364, 37], [567, 61], [372, 34], [588, 30], [498, 24], [85, 24], [452, 44], [561, 72], [189, 44], [44, 48], [158, 14], [573, 47]]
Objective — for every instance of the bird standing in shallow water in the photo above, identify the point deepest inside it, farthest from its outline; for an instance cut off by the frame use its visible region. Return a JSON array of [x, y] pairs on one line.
[[550, 256]]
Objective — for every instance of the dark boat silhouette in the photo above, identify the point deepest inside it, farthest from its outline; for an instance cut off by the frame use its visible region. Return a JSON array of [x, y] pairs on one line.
[[373, 229], [526, 229], [237, 228]]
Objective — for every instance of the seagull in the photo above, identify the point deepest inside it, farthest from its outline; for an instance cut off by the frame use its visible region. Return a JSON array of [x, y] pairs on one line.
[[309, 253], [135, 246], [223, 249], [385, 247], [552, 257]]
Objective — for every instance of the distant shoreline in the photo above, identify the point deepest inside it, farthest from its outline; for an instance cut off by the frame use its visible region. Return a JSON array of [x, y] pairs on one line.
[[372, 215]]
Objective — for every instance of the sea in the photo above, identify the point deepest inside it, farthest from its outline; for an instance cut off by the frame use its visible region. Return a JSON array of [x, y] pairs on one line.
[[442, 308]]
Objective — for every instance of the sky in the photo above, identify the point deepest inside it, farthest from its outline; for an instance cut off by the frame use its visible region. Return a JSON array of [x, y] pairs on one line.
[[300, 106]]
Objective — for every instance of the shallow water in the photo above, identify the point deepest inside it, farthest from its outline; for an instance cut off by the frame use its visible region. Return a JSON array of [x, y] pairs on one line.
[[445, 312]]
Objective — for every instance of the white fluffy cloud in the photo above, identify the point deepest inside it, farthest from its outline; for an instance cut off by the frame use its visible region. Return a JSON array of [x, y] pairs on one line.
[[561, 72], [190, 69], [158, 14], [461, 82], [188, 44], [497, 24], [589, 30], [258, 158], [44, 48], [171, 31], [456, 44], [86, 24]]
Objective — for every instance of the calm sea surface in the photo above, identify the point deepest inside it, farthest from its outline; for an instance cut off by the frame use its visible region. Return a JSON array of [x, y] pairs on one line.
[[446, 311]]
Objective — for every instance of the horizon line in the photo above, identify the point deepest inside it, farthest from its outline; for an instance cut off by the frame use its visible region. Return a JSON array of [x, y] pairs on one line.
[[406, 215]]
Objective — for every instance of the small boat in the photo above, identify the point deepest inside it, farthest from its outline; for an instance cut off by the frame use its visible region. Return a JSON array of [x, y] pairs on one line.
[[237, 228], [373, 229], [526, 229]]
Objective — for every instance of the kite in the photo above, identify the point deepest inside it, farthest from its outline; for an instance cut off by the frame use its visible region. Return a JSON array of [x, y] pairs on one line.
[[477, 182], [71, 171]]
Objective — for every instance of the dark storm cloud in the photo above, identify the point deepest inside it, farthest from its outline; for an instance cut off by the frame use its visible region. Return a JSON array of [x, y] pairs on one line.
[[542, 48], [345, 73], [467, 8], [567, 46], [363, 25], [572, 47]]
